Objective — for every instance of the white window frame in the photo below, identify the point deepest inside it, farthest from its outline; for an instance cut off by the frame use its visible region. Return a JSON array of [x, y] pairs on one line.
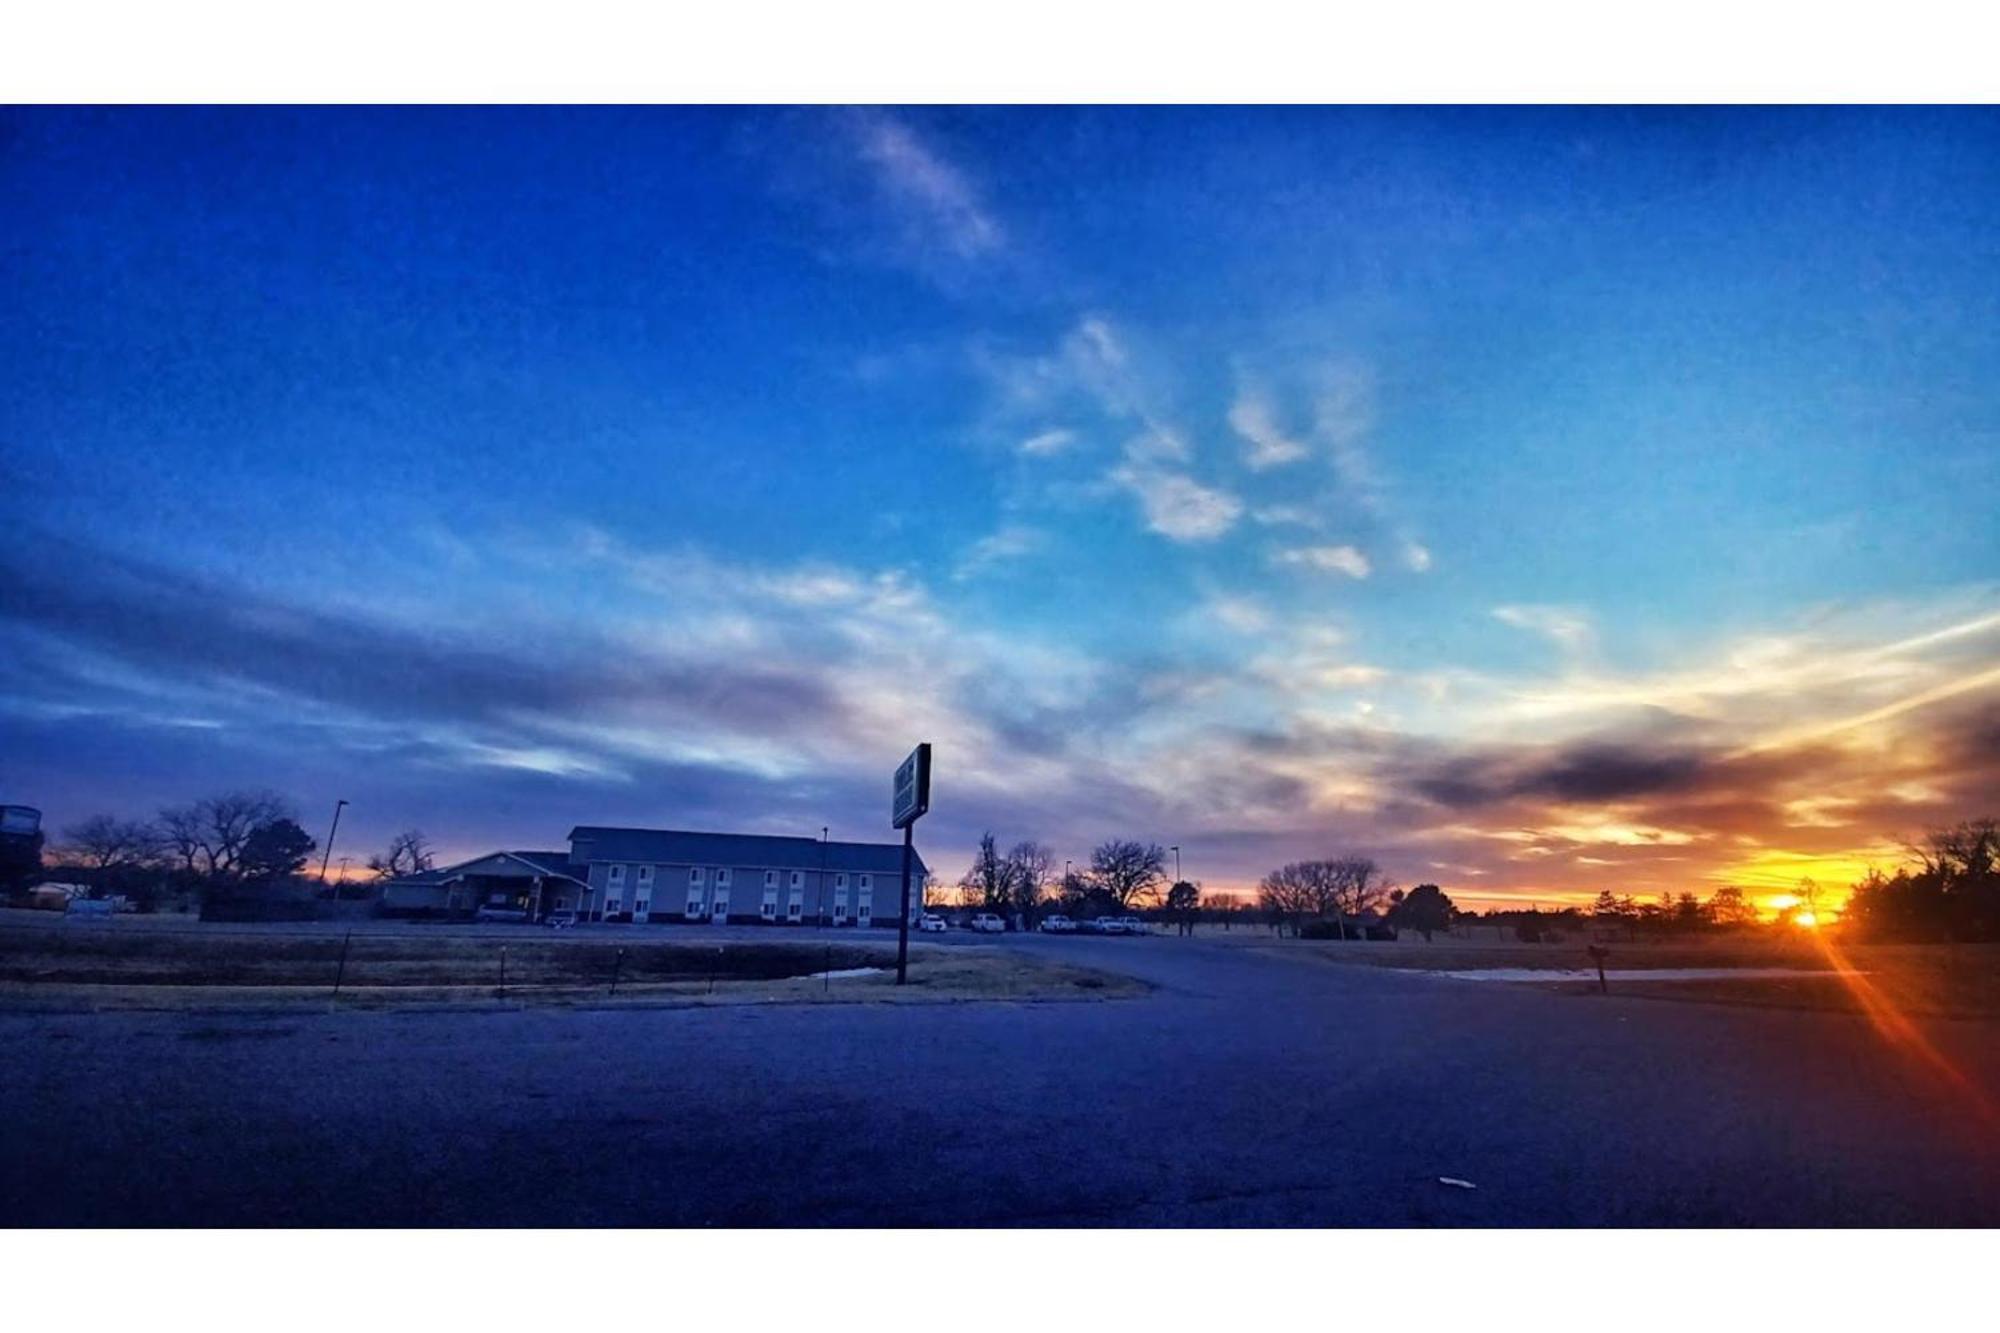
[[795, 906], [617, 877], [694, 875], [641, 907], [722, 878], [798, 879], [867, 883], [768, 909], [770, 879], [645, 877], [695, 906]]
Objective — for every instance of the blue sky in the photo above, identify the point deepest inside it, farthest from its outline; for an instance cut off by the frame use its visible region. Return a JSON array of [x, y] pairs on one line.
[[1541, 500]]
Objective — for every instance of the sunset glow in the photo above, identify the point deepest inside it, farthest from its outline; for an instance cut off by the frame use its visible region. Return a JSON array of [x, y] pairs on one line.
[[1530, 499]]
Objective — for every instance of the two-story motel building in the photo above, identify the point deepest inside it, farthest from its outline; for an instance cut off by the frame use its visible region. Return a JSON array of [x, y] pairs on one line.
[[646, 876]]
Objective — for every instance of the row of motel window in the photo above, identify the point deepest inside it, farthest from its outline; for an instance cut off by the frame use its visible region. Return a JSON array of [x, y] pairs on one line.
[[697, 908]]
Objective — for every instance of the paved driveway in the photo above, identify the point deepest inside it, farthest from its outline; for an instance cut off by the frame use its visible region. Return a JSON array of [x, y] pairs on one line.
[[1248, 1090]]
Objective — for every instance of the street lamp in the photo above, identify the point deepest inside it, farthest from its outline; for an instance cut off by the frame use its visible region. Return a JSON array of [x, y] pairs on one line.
[[1177, 865], [337, 806], [822, 878]]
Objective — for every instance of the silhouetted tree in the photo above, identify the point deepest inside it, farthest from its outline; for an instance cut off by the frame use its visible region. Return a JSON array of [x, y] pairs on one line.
[[1127, 871], [107, 843], [1028, 866], [1728, 907], [1425, 909], [274, 851], [207, 837], [1183, 901], [988, 882], [1341, 887], [408, 853]]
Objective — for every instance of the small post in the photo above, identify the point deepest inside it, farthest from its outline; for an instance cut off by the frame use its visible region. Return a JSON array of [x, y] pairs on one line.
[[617, 964], [903, 924], [712, 970], [503, 971], [340, 973], [1598, 953]]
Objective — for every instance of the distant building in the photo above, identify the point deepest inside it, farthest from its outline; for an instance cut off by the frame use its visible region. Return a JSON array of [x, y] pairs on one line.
[[650, 876], [644, 875], [532, 884]]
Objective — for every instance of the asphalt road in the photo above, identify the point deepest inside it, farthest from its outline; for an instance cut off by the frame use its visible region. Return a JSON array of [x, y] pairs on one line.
[[1247, 1090]]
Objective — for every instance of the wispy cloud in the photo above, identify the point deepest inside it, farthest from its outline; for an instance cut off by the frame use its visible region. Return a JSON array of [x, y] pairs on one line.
[[1177, 506], [1006, 543], [1044, 444], [937, 197], [1326, 560], [1565, 626], [1266, 443]]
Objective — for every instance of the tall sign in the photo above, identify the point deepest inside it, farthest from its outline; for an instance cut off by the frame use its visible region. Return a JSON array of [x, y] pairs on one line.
[[913, 788], [910, 801]]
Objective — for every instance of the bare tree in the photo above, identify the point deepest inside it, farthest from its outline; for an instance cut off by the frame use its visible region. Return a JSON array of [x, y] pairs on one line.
[[409, 853], [1340, 887], [988, 882], [1128, 871], [1029, 865], [105, 842], [208, 837]]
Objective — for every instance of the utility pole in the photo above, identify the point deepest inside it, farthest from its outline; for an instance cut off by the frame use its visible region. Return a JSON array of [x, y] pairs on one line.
[[337, 807], [822, 877]]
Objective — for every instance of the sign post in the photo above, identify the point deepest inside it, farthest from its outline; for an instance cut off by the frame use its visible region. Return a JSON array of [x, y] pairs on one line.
[[911, 802]]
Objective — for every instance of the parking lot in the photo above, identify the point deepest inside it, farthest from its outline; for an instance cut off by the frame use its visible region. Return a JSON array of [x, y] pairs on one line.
[[1245, 1088]]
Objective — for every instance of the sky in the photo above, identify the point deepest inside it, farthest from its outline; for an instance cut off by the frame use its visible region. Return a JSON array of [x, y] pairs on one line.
[[1539, 501]]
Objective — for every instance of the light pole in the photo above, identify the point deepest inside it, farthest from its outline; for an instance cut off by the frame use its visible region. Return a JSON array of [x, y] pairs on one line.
[[337, 807], [822, 877], [1177, 864]]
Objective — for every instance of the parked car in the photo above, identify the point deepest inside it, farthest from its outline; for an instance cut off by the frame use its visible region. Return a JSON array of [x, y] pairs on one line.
[[1107, 925], [988, 924], [1135, 926], [1058, 924], [559, 920], [931, 921]]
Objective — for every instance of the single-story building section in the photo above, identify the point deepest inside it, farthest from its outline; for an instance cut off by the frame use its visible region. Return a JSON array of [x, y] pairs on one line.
[[642, 875], [533, 884]]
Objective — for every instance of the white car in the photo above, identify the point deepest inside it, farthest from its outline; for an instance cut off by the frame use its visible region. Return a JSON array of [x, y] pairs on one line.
[[931, 921], [988, 924], [1134, 926], [1058, 924], [1109, 925]]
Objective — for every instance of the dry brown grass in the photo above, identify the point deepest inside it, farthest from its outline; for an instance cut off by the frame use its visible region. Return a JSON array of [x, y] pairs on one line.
[[195, 967]]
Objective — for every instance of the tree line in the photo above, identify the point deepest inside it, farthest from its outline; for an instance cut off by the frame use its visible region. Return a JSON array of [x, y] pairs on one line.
[[1123, 875], [224, 841]]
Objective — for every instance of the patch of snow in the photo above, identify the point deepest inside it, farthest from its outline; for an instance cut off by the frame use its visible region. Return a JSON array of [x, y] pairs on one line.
[[1634, 973], [840, 973]]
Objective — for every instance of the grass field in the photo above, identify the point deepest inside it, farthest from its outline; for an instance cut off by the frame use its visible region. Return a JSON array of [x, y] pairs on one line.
[[1930, 980], [193, 965]]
